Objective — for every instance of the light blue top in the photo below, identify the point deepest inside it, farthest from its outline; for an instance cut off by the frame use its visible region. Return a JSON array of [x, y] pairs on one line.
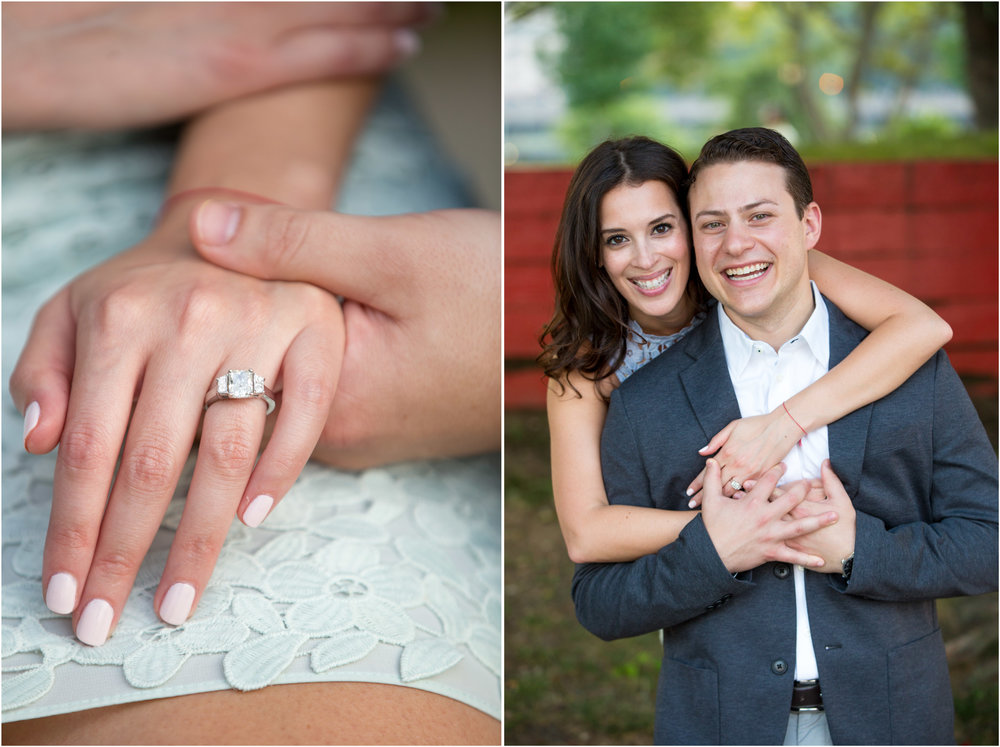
[[642, 347]]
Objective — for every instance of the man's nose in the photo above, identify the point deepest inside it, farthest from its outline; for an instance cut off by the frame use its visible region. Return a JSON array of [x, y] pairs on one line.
[[737, 239]]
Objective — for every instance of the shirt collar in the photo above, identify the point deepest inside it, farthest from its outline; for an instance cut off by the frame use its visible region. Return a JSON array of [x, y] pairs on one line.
[[815, 334]]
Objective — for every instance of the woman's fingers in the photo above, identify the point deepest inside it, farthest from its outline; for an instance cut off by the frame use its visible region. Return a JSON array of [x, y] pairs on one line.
[[40, 382], [718, 440], [311, 369], [230, 439], [96, 421], [350, 51], [159, 438]]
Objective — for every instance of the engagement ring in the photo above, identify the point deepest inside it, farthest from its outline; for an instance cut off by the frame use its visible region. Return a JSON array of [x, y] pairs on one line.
[[735, 484], [240, 384]]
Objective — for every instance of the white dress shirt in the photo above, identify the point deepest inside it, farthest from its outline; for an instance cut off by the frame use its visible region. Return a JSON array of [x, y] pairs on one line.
[[763, 379]]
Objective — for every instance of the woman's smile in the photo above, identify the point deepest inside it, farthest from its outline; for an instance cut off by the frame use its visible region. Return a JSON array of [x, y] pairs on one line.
[[655, 284], [646, 254]]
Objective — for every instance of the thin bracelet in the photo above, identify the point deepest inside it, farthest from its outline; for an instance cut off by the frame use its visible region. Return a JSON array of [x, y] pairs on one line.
[[237, 194], [794, 420]]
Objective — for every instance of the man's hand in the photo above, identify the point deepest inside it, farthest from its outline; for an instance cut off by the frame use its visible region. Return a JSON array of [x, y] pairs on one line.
[[751, 530], [421, 371], [832, 543]]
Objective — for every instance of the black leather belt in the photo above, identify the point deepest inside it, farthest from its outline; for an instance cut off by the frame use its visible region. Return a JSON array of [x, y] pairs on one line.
[[807, 696]]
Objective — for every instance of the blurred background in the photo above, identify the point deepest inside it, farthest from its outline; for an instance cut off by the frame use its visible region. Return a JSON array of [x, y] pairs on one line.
[[894, 108]]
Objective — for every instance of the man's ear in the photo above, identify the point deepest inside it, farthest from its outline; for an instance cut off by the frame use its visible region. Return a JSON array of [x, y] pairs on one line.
[[812, 223]]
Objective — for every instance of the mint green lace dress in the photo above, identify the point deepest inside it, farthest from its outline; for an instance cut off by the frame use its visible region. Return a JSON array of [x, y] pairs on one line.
[[387, 576]]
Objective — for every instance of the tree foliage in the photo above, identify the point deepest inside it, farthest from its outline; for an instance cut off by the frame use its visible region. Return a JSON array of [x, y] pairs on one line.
[[823, 72]]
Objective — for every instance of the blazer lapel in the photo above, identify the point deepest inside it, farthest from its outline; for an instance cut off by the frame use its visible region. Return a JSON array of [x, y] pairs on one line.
[[848, 436], [706, 381]]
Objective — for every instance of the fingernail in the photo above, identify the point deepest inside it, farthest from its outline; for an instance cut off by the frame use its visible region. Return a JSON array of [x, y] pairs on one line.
[[60, 595], [689, 492], [95, 623], [407, 43], [691, 503], [176, 604], [217, 222], [31, 416], [703, 448], [257, 510]]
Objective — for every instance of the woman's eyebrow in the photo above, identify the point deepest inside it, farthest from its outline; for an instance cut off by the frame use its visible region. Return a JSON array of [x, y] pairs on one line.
[[658, 219]]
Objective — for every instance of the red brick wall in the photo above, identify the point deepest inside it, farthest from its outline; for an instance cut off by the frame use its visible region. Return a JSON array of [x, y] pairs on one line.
[[927, 227]]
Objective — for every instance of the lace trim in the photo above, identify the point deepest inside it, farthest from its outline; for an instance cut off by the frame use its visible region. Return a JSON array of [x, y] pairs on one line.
[[332, 582]]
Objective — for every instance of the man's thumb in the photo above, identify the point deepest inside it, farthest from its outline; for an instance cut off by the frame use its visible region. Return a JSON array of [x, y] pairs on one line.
[[215, 223]]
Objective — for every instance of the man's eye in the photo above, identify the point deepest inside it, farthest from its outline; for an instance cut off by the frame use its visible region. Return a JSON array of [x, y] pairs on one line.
[[712, 225], [760, 216]]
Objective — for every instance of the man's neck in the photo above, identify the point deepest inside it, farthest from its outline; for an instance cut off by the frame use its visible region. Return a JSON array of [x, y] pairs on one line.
[[781, 322]]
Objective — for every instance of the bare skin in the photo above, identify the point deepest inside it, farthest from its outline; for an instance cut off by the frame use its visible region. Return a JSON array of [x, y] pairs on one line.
[[315, 713]]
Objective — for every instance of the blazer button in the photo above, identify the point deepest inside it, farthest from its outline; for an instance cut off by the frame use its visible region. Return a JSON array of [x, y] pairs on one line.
[[781, 570], [779, 666]]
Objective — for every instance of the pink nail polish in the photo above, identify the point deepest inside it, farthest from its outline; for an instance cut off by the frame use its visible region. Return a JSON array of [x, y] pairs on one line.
[[176, 604], [257, 510], [95, 622], [31, 415], [60, 594]]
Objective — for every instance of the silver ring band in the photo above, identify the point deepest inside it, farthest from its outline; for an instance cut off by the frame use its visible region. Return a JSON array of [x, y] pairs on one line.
[[735, 484], [240, 384]]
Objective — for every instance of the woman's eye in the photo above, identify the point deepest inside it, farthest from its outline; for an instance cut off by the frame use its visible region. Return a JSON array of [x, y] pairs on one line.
[[615, 240], [661, 228]]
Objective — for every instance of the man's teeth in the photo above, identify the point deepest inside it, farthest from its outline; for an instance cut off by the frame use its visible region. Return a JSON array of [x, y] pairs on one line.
[[654, 284], [747, 271]]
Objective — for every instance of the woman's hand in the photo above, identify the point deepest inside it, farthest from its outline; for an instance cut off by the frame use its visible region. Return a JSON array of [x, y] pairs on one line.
[[110, 65], [747, 448], [421, 372], [142, 338]]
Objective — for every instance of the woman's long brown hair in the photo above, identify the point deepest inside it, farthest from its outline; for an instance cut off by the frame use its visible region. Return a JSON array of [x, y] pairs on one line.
[[589, 327]]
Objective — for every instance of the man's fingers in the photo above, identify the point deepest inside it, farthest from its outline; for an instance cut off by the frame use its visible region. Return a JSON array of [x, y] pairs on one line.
[[358, 257], [764, 487], [40, 382]]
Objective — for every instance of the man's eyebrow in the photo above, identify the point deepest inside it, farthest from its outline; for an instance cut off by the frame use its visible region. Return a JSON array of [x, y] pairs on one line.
[[744, 209]]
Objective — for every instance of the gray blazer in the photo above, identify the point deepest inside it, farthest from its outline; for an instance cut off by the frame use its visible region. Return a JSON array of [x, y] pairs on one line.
[[923, 478]]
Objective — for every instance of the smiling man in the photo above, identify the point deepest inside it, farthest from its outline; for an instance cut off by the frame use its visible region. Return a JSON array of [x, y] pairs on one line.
[[758, 651]]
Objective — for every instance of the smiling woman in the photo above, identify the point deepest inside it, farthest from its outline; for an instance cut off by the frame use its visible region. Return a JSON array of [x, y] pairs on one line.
[[645, 253]]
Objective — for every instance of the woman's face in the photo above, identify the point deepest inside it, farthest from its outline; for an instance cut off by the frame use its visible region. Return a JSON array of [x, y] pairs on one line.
[[644, 250]]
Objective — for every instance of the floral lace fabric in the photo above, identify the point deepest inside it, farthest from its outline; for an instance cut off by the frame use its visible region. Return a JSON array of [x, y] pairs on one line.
[[388, 575], [642, 347]]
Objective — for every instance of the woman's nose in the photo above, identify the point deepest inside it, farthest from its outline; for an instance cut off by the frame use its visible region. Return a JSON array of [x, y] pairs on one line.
[[643, 256]]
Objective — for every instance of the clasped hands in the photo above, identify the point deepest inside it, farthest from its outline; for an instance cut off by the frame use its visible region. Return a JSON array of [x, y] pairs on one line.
[[808, 522], [124, 355]]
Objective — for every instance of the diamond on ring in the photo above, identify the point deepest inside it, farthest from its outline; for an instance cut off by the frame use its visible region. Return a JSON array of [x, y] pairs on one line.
[[241, 384], [735, 484]]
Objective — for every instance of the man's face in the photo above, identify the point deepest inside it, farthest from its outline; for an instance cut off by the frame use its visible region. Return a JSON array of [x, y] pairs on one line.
[[751, 246]]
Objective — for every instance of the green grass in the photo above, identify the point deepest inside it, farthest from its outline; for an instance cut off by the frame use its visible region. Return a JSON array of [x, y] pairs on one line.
[[565, 686]]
